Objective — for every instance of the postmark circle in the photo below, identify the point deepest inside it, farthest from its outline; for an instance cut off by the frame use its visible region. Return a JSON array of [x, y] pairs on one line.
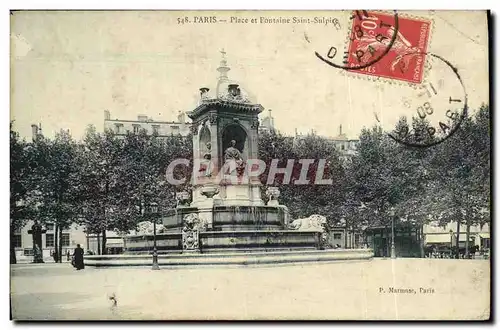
[[369, 37], [447, 118]]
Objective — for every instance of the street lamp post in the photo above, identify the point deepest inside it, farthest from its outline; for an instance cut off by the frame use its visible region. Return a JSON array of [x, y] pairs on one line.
[[154, 211], [393, 247]]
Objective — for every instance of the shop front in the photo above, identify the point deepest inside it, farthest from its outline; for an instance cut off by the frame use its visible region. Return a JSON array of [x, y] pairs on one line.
[[407, 241]]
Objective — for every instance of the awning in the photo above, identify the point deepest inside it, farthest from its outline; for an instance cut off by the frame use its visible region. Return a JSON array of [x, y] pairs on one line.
[[118, 244], [437, 238], [485, 235]]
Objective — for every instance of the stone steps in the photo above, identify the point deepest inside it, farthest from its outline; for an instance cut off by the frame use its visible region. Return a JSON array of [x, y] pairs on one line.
[[229, 258]]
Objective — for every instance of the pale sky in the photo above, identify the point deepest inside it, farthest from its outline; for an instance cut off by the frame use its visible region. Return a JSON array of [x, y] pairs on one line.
[[68, 67]]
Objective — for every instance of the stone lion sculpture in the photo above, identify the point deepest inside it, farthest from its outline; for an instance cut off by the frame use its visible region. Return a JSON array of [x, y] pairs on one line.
[[314, 222], [193, 221]]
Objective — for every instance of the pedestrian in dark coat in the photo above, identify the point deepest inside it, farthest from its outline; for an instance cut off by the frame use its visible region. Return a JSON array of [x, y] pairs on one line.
[[78, 258]]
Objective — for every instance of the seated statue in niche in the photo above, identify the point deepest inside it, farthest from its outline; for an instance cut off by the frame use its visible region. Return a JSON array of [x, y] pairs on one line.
[[232, 154]]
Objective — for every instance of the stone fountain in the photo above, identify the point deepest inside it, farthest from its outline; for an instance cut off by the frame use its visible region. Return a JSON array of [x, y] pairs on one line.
[[225, 215], [226, 212]]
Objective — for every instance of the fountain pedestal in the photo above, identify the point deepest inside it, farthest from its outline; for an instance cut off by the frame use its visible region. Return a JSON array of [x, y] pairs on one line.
[[205, 205], [241, 195]]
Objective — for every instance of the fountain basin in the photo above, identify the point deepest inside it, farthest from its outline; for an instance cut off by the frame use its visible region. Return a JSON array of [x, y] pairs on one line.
[[259, 240], [214, 241], [232, 217]]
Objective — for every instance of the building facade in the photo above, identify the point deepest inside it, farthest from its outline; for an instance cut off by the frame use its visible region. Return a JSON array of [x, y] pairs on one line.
[[162, 128], [346, 147], [267, 123], [23, 241], [413, 241], [442, 237], [165, 128], [340, 237]]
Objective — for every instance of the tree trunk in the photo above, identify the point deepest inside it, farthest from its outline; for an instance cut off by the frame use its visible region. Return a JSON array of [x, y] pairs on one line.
[[59, 254], [124, 243], [458, 239], [56, 242], [104, 242], [467, 237], [422, 238], [98, 244], [105, 217], [13, 259], [345, 235]]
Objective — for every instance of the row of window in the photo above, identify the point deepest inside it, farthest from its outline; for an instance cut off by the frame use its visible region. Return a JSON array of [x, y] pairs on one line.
[[29, 252], [350, 146], [137, 128], [48, 227], [485, 243], [339, 236], [49, 240]]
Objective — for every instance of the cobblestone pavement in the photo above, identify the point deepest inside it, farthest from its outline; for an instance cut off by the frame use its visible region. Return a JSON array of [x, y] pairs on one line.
[[337, 290]]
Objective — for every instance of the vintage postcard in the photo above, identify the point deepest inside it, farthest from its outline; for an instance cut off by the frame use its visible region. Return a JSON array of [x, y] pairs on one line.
[[250, 165]]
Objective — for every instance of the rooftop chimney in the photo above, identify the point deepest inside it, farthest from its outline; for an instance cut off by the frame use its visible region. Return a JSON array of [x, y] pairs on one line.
[[34, 131], [271, 119], [180, 116], [107, 115], [142, 118]]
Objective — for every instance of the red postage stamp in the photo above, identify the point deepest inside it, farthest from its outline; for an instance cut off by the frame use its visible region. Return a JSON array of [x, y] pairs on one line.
[[372, 33]]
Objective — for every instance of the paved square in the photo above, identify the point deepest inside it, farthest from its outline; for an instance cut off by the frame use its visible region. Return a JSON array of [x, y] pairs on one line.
[[339, 290]]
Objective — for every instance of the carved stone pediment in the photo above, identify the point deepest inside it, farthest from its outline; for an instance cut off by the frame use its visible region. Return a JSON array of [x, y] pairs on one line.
[[194, 129], [212, 118]]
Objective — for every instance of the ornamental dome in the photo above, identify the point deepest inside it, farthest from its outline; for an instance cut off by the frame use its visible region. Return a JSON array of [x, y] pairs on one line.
[[226, 89]]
